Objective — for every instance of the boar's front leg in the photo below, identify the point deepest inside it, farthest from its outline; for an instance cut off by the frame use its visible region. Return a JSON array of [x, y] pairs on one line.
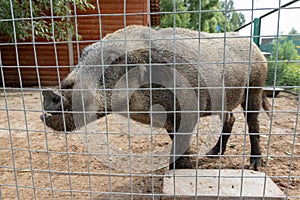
[[179, 158]]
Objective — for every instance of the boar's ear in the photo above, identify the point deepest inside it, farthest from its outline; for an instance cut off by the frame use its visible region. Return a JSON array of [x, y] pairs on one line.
[[69, 81], [50, 93], [144, 75], [161, 74], [111, 55], [67, 84]]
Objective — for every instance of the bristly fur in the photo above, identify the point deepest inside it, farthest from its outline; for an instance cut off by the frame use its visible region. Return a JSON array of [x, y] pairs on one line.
[[228, 65]]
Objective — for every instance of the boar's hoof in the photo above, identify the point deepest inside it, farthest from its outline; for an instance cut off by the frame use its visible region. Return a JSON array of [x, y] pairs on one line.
[[255, 163], [216, 151], [213, 152], [182, 163]]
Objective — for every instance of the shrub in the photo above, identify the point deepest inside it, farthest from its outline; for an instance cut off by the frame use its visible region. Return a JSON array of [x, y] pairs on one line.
[[292, 75], [287, 74], [287, 69]]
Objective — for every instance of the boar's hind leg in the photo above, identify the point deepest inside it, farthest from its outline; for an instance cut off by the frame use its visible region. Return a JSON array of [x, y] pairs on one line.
[[223, 139], [254, 104]]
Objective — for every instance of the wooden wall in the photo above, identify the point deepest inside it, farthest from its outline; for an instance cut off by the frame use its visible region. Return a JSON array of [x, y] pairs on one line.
[[53, 58]]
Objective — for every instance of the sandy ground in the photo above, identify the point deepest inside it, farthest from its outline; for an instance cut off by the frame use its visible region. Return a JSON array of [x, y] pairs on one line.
[[37, 162]]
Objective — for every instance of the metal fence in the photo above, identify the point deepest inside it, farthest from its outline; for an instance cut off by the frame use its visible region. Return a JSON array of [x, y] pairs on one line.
[[140, 114]]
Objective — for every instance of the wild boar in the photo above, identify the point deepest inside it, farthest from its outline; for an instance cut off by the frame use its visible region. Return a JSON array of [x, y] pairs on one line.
[[189, 74]]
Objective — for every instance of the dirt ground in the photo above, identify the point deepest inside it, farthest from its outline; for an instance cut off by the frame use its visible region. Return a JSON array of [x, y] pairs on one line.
[[36, 162]]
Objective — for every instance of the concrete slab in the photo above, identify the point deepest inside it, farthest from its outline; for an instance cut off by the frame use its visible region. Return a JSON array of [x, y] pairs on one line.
[[255, 185]]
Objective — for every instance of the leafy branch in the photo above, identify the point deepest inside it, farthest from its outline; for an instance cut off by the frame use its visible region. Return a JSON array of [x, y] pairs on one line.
[[46, 19]]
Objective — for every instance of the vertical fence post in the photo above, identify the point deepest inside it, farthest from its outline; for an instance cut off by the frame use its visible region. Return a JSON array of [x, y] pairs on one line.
[[70, 44], [256, 33]]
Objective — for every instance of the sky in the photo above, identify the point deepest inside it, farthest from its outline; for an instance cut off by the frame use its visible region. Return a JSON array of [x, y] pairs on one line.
[[288, 18]]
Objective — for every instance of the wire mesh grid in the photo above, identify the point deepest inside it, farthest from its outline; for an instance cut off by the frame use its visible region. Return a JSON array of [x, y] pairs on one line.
[[72, 103]]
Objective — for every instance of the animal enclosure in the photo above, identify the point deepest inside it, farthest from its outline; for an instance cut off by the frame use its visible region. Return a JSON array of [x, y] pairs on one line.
[[140, 101]]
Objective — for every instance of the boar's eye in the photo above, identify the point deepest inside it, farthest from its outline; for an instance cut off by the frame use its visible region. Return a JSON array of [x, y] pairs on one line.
[[56, 100]]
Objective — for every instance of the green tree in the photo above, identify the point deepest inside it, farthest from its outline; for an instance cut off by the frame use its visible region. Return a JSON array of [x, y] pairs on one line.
[[286, 68], [294, 34], [293, 31], [214, 15], [28, 17], [234, 19], [285, 49], [182, 19], [207, 18]]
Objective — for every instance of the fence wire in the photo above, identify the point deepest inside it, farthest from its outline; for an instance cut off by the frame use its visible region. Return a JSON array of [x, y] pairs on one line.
[[101, 109]]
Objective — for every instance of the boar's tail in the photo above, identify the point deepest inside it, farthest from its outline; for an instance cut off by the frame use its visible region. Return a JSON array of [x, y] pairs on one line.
[[265, 103]]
